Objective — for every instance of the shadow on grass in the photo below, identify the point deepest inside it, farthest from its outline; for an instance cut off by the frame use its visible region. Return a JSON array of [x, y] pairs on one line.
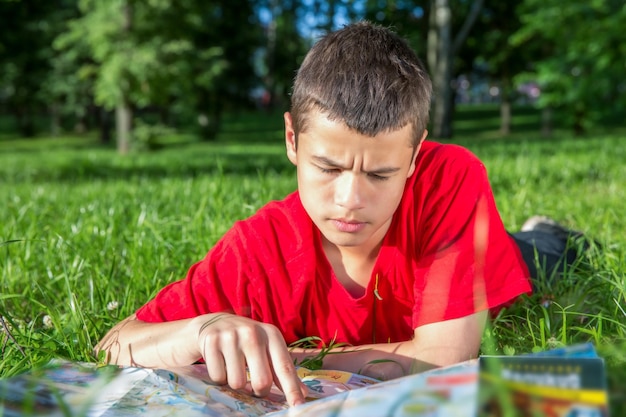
[[81, 163], [247, 145], [482, 122]]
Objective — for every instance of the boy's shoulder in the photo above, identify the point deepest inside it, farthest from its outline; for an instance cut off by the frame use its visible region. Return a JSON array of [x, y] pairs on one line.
[[276, 232], [443, 162], [288, 209], [284, 219], [446, 151]]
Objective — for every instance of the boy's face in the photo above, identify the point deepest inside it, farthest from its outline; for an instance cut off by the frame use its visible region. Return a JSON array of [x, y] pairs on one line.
[[350, 184]]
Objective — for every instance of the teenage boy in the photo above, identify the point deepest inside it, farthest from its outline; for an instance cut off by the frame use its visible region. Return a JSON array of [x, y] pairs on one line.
[[392, 244]]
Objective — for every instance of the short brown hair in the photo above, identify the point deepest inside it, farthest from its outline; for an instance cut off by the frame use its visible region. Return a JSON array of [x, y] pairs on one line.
[[366, 76]]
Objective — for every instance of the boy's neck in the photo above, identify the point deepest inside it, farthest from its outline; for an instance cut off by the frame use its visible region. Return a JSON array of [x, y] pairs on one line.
[[352, 266]]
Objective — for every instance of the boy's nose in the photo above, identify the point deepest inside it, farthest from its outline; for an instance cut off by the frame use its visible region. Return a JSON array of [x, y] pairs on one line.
[[348, 191]]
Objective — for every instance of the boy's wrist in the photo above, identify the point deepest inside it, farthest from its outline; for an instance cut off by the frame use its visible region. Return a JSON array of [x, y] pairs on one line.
[[197, 327], [203, 322]]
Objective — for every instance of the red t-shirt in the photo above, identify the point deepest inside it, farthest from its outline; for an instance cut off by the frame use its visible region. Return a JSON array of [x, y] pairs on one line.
[[446, 255]]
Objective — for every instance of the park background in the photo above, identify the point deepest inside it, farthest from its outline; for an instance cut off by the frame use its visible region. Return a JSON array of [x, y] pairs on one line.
[[134, 133]]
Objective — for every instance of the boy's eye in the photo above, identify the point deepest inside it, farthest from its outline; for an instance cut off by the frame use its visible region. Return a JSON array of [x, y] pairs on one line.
[[377, 177], [329, 170]]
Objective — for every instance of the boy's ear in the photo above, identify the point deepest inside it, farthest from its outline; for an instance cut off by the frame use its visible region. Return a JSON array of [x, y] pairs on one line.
[[416, 152], [290, 138]]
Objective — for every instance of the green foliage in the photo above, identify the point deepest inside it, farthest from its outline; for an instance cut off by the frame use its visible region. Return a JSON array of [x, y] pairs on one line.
[[28, 28], [488, 50], [187, 58], [278, 60], [408, 18], [142, 52], [581, 68], [146, 136]]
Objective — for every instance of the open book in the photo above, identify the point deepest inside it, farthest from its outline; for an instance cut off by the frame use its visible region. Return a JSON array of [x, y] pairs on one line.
[[65, 388]]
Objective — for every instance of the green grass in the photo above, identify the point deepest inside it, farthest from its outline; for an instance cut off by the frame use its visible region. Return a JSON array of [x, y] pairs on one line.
[[87, 236]]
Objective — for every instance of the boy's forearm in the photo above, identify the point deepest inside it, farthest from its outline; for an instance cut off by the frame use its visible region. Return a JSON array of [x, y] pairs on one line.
[[385, 361], [433, 345], [381, 361], [136, 343]]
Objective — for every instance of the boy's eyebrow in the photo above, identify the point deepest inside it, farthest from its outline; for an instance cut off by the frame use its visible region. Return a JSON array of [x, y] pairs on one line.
[[330, 163]]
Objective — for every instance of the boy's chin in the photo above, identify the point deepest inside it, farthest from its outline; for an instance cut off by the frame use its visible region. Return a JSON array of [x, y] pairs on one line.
[[345, 240]]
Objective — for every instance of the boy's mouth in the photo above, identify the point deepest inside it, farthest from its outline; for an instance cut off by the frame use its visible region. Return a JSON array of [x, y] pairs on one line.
[[348, 226]]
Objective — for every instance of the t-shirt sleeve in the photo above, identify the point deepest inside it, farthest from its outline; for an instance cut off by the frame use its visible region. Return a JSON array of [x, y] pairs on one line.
[[467, 261], [211, 285]]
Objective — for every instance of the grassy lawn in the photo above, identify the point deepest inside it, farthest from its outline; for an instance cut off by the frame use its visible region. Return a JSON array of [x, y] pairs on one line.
[[87, 236]]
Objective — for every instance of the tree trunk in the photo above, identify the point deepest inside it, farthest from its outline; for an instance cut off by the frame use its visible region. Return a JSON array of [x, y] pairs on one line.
[[104, 123], [25, 124], [442, 72], [55, 119], [432, 40], [80, 126], [579, 122], [209, 115], [267, 101], [471, 18], [123, 122], [546, 122], [164, 115], [505, 116], [441, 52], [507, 93]]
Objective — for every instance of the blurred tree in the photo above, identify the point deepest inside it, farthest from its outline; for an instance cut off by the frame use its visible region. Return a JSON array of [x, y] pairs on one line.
[[283, 50], [184, 55], [503, 60], [69, 85], [582, 69], [438, 35], [444, 44], [225, 82], [66, 90], [488, 52], [28, 28], [408, 18]]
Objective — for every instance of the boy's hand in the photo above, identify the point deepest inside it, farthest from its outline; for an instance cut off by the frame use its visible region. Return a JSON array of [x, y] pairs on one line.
[[228, 343]]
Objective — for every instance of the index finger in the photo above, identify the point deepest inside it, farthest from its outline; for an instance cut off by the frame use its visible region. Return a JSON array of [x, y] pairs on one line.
[[285, 375]]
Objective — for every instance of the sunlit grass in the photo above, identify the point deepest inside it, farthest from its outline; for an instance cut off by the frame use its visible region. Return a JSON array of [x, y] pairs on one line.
[[87, 236]]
